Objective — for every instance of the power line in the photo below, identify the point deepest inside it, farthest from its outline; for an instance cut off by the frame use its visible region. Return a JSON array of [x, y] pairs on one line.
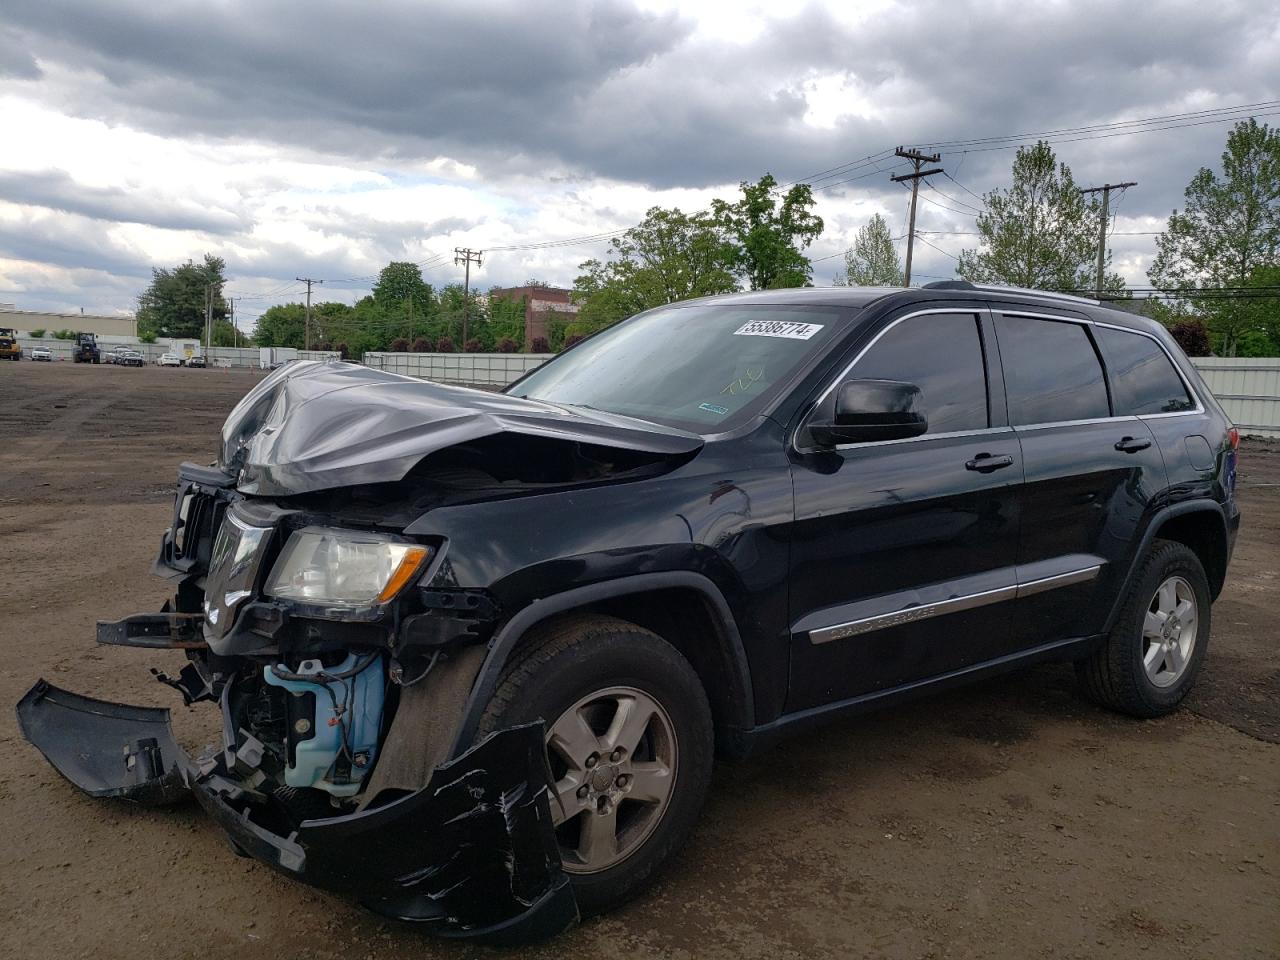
[[861, 176], [964, 188], [1212, 115], [838, 169], [963, 213], [1093, 131], [938, 248], [959, 203]]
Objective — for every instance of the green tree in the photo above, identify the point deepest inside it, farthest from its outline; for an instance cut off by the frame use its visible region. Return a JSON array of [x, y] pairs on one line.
[[173, 305], [506, 320], [283, 325], [224, 334], [872, 261], [1039, 232], [769, 236], [668, 256], [38, 333], [1226, 235]]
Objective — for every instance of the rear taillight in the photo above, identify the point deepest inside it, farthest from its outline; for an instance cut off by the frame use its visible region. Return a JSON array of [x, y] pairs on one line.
[[1234, 436]]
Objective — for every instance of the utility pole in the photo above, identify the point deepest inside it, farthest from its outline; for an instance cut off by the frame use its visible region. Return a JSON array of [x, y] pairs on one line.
[[467, 256], [208, 320], [918, 160], [1105, 190], [235, 331], [306, 338]]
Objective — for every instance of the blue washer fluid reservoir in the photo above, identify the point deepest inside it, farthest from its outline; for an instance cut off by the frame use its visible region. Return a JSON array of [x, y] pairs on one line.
[[351, 709]]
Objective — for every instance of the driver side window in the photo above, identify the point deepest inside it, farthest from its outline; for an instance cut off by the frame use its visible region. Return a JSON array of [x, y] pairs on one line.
[[941, 354]]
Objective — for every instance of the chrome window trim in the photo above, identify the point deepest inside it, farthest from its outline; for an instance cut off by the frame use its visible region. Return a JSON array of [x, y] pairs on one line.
[[838, 378], [1017, 312], [972, 601], [950, 434], [1090, 322], [1027, 427]]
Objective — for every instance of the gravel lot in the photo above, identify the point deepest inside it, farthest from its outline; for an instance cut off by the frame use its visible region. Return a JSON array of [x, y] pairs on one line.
[[1008, 820]]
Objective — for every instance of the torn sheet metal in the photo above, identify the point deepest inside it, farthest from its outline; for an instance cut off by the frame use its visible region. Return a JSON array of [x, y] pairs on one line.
[[105, 749], [472, 854], [314, 426]]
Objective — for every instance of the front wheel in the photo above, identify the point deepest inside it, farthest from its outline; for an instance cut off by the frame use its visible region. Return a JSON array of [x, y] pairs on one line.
[[1150, 659], [629, 744]]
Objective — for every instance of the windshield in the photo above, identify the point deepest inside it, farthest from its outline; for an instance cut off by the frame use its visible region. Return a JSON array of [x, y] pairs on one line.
[[697, 367]]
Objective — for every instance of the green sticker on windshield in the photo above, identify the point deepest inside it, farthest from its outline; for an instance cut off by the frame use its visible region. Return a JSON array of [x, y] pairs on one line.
[[713, 408]]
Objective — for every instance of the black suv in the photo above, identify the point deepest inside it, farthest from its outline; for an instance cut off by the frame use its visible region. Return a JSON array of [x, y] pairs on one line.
[[475, 652]]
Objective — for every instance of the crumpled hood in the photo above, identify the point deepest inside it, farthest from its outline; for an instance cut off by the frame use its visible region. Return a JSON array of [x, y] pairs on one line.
[[318, 425]]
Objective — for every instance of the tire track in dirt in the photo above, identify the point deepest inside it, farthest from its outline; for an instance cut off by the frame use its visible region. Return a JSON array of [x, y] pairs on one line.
[[30, 452]]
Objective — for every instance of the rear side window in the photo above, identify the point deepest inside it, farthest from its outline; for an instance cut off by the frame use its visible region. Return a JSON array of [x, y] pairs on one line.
[[1051, 371], [942, 355], [1143, 379]]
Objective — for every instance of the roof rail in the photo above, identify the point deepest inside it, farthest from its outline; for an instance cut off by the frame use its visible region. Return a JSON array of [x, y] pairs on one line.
[[998, 288]]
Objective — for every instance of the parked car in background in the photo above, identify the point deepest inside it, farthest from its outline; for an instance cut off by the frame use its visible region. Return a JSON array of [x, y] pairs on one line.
[[475, 652], [124, 356], [42, 353], [196, 361], [168, 360]]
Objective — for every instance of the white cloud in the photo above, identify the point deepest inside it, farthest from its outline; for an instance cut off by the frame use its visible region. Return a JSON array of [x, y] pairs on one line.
[[403, 132]]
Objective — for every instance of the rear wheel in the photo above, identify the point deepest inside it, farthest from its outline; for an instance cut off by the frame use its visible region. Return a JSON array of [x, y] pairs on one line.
[[1153, 654], [629, 744]]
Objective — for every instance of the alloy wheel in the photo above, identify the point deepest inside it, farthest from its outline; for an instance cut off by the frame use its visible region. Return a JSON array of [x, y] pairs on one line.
[[614, 756], [1169, 631]]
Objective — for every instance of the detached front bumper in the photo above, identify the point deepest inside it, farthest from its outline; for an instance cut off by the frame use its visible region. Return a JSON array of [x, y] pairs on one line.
[[472, 854]]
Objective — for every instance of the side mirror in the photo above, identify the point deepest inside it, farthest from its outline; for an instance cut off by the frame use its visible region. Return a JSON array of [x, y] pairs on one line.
[[873, 410]]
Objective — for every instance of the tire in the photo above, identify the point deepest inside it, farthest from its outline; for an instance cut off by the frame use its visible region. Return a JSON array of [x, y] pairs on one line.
[[1117, 675], [553, 677]]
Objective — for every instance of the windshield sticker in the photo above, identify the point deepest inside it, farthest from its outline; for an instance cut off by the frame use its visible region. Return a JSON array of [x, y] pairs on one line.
[[713, 408], [787, 329]]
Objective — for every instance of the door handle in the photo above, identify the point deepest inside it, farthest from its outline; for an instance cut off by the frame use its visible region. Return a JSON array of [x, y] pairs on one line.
[[1131, 445], [985, 462]]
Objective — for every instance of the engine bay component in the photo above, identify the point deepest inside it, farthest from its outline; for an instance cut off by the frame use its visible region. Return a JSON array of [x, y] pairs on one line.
[[334, 715]]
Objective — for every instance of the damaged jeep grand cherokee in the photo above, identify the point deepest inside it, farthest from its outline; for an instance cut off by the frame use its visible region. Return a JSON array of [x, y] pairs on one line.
[[474, 653]]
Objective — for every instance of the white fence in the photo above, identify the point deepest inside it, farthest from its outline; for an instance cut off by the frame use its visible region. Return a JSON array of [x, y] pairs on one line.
[[489, 369], [1248, 389], [242, 357]]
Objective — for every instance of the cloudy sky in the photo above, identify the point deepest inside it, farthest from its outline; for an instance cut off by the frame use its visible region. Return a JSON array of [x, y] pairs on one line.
[[325, 139]]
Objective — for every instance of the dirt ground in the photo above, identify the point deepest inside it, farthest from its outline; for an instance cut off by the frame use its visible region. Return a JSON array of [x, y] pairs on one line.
[[1007, 820]]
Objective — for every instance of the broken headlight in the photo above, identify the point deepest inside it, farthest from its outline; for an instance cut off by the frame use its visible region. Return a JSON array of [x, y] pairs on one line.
[[344, 570]]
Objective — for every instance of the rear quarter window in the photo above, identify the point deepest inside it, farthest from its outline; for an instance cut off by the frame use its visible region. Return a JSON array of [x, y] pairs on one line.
[[1143, 378]]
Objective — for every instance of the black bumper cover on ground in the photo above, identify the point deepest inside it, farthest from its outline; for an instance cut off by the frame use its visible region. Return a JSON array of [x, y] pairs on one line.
[[473, 853]]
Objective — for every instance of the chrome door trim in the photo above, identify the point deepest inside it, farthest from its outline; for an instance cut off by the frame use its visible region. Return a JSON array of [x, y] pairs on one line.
[[972, 601], [898, 618], [1059, 580]]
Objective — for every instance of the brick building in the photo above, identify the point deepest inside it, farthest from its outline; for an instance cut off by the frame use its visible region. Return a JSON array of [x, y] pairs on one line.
[[542, 307]]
